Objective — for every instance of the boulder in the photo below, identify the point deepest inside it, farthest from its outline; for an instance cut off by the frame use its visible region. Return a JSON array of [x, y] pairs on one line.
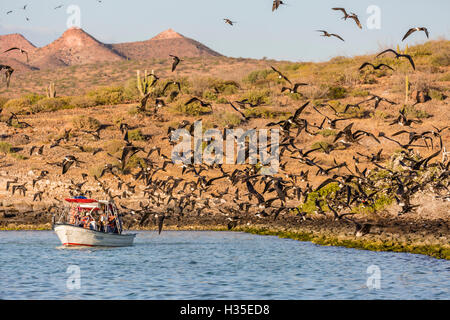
[[421, 96]]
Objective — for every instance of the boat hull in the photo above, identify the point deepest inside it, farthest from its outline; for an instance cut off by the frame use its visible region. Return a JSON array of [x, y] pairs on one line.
[[77, 236]]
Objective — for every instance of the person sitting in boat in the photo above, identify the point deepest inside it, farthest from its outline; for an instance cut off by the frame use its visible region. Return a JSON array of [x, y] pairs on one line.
[[102, 223], [111, 227], [74, 217], [92, 224], [85, 222]]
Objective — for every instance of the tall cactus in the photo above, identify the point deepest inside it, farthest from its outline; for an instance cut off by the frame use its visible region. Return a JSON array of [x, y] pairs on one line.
[[51, 91], [406, 89], [144, 84]]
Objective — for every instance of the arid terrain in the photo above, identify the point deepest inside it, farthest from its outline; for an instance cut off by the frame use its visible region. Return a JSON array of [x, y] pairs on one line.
[[100, 96]]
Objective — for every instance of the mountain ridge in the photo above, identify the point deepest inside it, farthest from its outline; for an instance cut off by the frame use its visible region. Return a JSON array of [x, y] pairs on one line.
[[77, 47]]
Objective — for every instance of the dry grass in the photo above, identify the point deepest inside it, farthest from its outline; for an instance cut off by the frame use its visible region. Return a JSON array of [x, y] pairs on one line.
[[337, 82]]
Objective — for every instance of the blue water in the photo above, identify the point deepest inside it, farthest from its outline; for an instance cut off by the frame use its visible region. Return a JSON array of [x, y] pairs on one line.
[[211, 265]]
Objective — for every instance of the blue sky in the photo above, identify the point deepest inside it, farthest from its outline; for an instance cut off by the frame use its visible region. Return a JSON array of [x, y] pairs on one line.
[[287, 34]]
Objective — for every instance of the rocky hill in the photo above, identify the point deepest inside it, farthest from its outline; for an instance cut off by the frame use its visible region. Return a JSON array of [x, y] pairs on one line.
[[14, 58], [76, 47], [165, 43]]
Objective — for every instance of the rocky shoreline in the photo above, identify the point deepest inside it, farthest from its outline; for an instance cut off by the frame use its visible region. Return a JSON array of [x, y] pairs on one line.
[[401, 234]]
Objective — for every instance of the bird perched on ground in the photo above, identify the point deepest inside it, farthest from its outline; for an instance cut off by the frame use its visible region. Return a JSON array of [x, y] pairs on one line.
[[412, 30], [176, 61], [398, 56], [39, 150], [361, 229], [326, 34], [20, 50], [8, 72]]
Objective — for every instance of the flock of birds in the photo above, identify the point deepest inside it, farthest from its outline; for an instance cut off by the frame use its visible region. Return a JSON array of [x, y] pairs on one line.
[[196, 190], [24, 8]]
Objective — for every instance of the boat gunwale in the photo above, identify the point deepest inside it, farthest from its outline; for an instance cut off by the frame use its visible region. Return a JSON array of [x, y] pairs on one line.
[[94, 231]]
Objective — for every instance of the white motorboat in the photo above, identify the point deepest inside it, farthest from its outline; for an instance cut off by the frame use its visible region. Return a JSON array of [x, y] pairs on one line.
[[89, 222]]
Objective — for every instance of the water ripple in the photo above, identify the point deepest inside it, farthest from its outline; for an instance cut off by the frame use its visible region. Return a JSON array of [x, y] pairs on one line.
[[211, 265]]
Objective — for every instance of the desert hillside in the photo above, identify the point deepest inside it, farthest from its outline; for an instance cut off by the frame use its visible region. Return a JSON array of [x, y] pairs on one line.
[[94, 102]]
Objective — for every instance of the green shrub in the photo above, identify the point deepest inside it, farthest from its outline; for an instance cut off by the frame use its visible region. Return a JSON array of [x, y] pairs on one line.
[[258, 96], [108, 95], [131, 91], [336, 92], [86, 123], [5, 147], [230, 119], [33, 97], [327, 133], [22, 105], [380, 203], [310, 205], [294, 96], [135, 135], [133, 163], [256, 76], [264, 113], [437, 95], [359, 93], [3, 101], [222, 100], [413, 112], [441, 60], [446, 77], [133, 110], [209, 95], [325, 146], [50, 104], [226, 87], [114, 146], [82, 102], [194, 109]]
